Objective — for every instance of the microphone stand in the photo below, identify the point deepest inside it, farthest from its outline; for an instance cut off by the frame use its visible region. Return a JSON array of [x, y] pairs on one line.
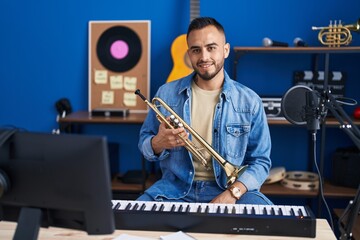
[[346, 123]]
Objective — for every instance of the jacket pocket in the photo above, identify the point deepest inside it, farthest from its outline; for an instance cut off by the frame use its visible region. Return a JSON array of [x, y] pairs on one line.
[[236, 140]]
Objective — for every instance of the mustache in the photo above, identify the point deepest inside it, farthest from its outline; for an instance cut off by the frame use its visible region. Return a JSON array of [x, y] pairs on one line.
[[205, 62]]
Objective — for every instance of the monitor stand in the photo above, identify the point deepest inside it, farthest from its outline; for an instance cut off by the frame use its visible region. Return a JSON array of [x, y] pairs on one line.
[[28, 224]]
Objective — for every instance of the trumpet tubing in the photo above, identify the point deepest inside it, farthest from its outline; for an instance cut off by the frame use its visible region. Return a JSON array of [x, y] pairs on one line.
[[337, 34], [232, 171]]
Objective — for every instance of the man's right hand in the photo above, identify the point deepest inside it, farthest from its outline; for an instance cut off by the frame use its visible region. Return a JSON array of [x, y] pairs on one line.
[[168, 138]]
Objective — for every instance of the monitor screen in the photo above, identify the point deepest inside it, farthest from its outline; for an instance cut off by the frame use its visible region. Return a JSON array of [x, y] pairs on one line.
[[55, 180]]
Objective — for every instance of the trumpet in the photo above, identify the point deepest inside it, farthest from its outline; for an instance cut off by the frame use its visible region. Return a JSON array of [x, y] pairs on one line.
[[232, 171], [337, 34]]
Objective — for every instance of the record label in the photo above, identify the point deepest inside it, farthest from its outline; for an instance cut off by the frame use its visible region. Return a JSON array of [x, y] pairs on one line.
[[119, 49]]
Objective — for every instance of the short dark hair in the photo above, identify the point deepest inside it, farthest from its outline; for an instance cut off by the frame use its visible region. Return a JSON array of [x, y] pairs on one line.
[[201, 22]]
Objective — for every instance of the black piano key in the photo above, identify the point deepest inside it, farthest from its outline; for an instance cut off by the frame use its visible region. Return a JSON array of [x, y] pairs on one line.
[[187, 208], [153, 208], [143, 206], [280, 212], [265, 211], [252, 210], [180, 208], [117, 205], [199, 209], [272, 211], [173, 208], [292, 213], [218, 210], [233, 210], [128, 206], [245, 210], [301, 214], [226, 210], [161, 208], [135, 206], [207, 209]]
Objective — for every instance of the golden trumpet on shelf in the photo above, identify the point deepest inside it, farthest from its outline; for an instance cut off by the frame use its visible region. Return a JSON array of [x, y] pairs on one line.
[[337, 34], [232, 171]]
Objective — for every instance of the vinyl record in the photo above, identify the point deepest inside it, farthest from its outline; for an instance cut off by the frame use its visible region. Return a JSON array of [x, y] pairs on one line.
[[119, 49]]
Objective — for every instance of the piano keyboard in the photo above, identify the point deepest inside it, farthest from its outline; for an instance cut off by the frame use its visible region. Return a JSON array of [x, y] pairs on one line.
[[277, 220]]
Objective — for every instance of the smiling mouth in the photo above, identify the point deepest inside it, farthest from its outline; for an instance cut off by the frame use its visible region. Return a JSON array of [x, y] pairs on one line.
[[205, 65]]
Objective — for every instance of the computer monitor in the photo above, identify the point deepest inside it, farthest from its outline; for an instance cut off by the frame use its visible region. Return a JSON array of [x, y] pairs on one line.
[[55, 180]]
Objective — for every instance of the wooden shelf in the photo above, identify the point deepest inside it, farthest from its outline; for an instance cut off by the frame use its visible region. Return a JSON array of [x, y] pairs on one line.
[[329, 121], [332, 191], [304, 50], [84, 117]]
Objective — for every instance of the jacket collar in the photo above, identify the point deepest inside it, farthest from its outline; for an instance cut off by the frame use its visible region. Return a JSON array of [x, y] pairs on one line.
[[226, 91]]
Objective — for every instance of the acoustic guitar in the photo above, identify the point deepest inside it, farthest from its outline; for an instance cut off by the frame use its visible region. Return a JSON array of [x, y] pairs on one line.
[[181, 61]]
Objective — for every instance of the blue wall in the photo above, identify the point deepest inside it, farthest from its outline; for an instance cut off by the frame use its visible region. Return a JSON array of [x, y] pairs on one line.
[[44, 57]]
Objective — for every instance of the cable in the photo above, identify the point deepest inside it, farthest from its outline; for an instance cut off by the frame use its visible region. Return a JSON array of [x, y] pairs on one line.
[[321, 182]]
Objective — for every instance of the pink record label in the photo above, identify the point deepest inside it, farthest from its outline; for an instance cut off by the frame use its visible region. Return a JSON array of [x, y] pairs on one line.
[[119, 49]]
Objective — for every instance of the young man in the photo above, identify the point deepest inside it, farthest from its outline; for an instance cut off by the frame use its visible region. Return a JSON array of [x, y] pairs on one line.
[[228, 115]]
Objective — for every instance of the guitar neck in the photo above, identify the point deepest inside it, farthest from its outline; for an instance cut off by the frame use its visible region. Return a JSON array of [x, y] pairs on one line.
[[194, 9]]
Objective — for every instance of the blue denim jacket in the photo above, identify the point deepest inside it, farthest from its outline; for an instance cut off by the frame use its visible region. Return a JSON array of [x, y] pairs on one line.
[[241, 136]]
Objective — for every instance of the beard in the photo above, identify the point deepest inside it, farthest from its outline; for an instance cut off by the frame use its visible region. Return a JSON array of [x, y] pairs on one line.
[[208, 75]]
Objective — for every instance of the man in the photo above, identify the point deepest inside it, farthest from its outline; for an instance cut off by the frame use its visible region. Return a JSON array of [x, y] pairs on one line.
[[225, 113]]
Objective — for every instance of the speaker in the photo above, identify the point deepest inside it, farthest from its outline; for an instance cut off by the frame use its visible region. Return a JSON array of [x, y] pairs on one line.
[[346, 165]]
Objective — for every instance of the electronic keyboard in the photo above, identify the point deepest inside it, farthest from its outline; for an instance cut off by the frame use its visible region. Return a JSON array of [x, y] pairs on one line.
[[276, 220]]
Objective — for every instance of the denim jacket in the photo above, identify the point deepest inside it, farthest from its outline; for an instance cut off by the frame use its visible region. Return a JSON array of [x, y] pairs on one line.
[[241, 136]]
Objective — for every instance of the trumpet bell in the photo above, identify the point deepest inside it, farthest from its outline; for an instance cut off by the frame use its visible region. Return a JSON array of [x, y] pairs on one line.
[[354, 27]]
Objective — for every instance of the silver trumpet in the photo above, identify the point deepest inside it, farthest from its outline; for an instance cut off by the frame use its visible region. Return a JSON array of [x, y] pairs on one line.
[[232, 171]]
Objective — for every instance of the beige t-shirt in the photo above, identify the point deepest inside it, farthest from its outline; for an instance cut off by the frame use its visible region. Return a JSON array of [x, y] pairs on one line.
[[202, 114]]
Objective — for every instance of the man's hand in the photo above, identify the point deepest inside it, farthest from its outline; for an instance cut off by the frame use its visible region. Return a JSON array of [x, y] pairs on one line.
[[227, 197], [168, 138]]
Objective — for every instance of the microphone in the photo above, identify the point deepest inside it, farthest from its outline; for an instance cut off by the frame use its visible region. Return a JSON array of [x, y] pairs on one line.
[[267, 42], [312, 110], [298, 42], [303, 106]]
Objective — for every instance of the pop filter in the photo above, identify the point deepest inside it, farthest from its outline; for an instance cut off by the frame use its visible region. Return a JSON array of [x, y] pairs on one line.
[[293, 104]]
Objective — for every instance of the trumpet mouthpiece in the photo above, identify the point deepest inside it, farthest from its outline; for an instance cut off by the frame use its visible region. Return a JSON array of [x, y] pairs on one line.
[[137, 92]]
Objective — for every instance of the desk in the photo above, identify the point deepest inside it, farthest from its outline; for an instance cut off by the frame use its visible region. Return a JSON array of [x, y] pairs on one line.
[[323, 232]]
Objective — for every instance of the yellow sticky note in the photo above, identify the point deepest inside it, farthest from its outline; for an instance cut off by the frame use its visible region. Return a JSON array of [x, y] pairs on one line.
[[130, 83], [101, 76], [107, 97], [116, 82], [129, 99]]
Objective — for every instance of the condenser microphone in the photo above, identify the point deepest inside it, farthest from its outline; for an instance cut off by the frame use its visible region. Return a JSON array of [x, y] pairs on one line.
[[298, 42], [312, 111], [267, 42], [302, 106]]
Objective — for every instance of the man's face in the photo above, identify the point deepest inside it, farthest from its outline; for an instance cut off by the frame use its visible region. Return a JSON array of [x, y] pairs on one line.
[[207, 51]]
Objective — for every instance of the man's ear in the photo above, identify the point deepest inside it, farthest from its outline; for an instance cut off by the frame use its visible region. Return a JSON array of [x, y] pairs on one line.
[[226, 49]]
